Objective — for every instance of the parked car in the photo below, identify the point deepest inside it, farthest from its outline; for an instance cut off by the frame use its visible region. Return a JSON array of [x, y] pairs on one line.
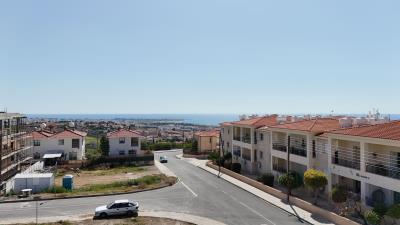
[[163, 159], [117, 208]]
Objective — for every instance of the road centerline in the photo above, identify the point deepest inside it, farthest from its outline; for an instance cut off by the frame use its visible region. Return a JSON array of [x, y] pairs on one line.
[[187, 187]]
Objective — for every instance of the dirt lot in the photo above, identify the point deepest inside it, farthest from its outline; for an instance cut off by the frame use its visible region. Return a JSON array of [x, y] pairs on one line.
[[127, 221], [106, 175]]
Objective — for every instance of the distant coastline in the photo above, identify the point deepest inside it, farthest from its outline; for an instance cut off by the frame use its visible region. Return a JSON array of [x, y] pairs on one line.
[[200, 119]]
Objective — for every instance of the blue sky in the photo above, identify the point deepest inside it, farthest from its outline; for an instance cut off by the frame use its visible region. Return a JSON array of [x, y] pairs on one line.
[[221, 56]]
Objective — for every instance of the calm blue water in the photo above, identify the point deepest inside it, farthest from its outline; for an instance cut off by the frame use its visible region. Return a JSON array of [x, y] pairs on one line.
[[201, 119]]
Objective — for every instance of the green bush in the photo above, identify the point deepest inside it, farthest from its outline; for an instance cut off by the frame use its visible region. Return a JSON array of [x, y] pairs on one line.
[[236, 167], [339, 194], [316, 180], [380, 209], [372, 217], [292, 180], [394, 211], [267, 179]]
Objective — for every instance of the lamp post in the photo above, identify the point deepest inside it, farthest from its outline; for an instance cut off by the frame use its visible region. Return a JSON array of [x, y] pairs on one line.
[[37, 204]]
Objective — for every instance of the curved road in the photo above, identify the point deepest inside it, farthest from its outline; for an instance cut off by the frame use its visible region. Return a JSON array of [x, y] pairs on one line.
[[198, 193]]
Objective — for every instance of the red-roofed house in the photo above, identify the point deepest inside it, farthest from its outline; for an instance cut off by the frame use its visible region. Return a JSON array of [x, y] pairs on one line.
[[124, 142], [207, 141], [70, 143], [247, 143], [366, 160]]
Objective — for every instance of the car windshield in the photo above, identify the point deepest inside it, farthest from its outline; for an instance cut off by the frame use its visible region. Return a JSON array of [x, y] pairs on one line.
[[109, 205]]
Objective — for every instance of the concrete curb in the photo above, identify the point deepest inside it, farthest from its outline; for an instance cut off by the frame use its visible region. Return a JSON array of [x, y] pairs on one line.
[[87, 196], [159, 214]]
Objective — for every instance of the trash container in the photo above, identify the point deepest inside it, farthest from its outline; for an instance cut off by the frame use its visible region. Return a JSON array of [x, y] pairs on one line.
[[68, 182]]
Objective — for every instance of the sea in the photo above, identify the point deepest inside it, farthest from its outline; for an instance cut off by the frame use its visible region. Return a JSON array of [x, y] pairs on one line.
[[200, 119]]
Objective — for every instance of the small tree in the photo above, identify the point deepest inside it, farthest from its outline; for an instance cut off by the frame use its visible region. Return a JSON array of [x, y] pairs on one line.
[[315, 180], [394, 212], [104, 146], [372, 217], [291, 180]]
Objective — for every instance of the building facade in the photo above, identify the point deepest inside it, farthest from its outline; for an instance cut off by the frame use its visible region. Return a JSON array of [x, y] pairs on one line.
[[15, 148], [207, 141], [70, 143], [124, 142]]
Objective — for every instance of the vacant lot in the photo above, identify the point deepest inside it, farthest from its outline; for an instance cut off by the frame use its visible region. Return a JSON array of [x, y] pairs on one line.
[[103, 175], [127, 221]]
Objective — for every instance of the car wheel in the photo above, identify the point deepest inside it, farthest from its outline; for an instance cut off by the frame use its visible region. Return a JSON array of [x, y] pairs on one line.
[[129, 213], [103, 215]]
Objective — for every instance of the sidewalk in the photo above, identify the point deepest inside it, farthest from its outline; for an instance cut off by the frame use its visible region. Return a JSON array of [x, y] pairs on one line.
[[160, 214], [304, 215]]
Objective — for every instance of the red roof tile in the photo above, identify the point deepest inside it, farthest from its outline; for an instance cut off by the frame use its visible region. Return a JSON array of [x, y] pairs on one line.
[[258, 121], [124, 133], [209, 133], [314, 125], [41, 134], [389, 130], [69, 134]]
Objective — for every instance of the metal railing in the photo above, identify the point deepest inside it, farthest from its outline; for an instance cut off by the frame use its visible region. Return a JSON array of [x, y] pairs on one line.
[[383, 170], [279, 168], [298, 151], [246, 139], [279, 147], [346, 163]]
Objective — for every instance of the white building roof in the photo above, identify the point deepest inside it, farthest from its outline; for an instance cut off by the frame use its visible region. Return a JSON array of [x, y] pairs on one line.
[[33, 175]]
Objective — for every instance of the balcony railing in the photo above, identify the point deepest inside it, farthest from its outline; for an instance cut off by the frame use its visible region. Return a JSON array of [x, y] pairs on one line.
[[279, 168], [383, 170], [236, 138], [298, 151], [246, 157], [279, 147], [246, 139], [236, 152], [346, 163]]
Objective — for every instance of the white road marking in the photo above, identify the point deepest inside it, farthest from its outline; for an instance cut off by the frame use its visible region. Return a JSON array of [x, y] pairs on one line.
[[187, 187], [252, 210]]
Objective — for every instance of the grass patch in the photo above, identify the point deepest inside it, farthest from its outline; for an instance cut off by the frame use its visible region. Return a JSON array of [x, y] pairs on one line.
[[105, 171], [118, 186]]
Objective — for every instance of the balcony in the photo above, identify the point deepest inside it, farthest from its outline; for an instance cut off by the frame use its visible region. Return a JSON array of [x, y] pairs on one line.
[[246, 139], [346, 163], [279, 168], [383, 170], [298, 151], [279, 147]]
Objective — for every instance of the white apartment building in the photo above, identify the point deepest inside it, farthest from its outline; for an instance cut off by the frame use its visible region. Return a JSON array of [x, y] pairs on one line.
[[70, 143], [366, 160], [248, 144], [124, 142]]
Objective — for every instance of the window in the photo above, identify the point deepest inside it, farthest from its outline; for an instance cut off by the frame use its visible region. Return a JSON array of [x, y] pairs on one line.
[[210, 140], [228, 130], [261, 155], [132, 152], [61, 142], [122, 140], [227, 144], [261, 136], [314, 154], [134, 142], [222, 130], [75, 143], [124, 205], [36, 143], [122, 152]]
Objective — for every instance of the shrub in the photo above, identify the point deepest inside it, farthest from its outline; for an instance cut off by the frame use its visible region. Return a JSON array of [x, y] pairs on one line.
[[236, 167], [380, 209], [394, 211], [339, 194], [228, 156], [57, 189], [267, 179], [315, 180], [372, 217], [291, 180]]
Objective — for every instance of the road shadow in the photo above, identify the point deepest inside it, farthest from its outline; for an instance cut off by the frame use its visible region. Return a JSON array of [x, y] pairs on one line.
[[116, 217]]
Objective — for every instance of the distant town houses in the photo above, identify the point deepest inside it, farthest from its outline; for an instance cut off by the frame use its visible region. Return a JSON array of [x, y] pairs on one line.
[[360, 154], [207, 141], [69, 143], [125, 142]]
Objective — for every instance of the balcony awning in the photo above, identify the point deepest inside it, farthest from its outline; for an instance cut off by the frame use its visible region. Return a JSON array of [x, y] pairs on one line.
[[51, 156]]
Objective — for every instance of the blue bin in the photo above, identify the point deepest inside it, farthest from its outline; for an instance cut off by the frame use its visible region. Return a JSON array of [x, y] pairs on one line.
[[68, 182]]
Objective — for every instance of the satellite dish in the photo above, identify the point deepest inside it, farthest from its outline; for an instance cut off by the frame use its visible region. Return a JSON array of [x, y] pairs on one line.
[[71, 124], [43, 126]]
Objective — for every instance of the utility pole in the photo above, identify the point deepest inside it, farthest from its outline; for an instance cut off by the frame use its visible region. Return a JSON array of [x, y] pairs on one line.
[[288, 168], [1, 153], [220, 154]]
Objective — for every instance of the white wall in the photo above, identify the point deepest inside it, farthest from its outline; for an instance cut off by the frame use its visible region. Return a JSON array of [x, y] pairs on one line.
[[115, 147], [50, 145]]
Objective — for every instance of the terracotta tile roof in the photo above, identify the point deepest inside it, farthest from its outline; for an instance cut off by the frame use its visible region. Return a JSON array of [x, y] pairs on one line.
[[209, 133], [62, 134], [258, 121], [124, 133], [225, 124], [69, 134], [389, 130], [318, 125]]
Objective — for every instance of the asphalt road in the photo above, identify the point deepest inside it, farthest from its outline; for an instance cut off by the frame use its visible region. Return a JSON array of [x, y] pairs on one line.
[[198, 192]]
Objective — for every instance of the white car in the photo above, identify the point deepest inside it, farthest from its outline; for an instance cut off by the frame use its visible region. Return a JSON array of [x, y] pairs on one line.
[[117, 208]]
